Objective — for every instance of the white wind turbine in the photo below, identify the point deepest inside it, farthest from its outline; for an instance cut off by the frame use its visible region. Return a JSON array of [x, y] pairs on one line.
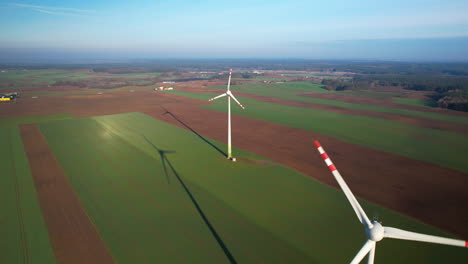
[[374, 230], [229, 95]]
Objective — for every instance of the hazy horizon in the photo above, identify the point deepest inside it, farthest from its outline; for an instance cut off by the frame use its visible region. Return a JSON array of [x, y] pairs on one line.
[[57, 31]]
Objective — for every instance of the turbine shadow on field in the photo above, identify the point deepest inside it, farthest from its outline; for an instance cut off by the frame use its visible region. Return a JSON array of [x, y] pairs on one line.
[[215, 234], [162, 154], [195, 132]]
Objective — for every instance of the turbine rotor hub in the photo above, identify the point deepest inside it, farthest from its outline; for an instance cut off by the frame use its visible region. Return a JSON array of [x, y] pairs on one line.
[[375, 233]]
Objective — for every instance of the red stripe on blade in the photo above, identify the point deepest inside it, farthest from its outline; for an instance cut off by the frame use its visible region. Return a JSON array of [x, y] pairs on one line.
[[324, 156], [317, 144], [466, 244], [332, 168]]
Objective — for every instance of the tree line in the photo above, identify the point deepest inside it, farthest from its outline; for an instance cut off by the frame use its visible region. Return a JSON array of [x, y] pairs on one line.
[[446, 92]]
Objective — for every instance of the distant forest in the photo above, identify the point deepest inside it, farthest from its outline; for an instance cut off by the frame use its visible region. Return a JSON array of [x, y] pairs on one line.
[[448, 91]]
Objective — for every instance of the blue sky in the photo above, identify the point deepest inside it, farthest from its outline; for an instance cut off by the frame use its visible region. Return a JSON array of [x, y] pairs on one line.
[[381, 30]]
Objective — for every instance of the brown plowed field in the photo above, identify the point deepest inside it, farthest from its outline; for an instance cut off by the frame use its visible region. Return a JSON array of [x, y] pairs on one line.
[[73, 235], [90, 104], [425, 191]]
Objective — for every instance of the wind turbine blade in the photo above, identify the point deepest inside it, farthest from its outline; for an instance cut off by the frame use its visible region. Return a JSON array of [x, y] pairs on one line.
[[363, 252], [352, 200], [370, 258], [229, 81], [392, 232], [233, 97], [219, 96]]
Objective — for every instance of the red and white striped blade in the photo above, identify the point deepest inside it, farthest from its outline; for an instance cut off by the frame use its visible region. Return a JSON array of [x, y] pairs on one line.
[[352, 200], [219, 96], [233, 97], [392, 232]]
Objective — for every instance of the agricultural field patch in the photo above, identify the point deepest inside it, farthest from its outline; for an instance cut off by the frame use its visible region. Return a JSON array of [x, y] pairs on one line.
[[382, 95], [22, 78], [32, 79], [294, 91], [415, 102], [159, 193], [24, 237], [444, 148]]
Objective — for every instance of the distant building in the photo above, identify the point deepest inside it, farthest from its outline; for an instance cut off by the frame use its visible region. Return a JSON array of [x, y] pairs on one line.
[[168, 82], [162, 88], [8, 97], [4, 98]]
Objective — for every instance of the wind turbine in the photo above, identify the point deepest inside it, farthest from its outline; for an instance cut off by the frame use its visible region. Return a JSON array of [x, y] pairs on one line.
[[374, 230], [229, 95]]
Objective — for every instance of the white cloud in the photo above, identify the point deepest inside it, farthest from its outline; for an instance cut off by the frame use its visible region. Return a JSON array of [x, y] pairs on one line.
[[53, 10]]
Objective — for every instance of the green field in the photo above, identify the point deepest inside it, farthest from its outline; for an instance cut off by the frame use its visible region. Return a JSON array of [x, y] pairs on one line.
[[317, 75], [17, 79], [258, 212], [25, 78], [293, 91], [370, 94], [415, 102], [24, 237]]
